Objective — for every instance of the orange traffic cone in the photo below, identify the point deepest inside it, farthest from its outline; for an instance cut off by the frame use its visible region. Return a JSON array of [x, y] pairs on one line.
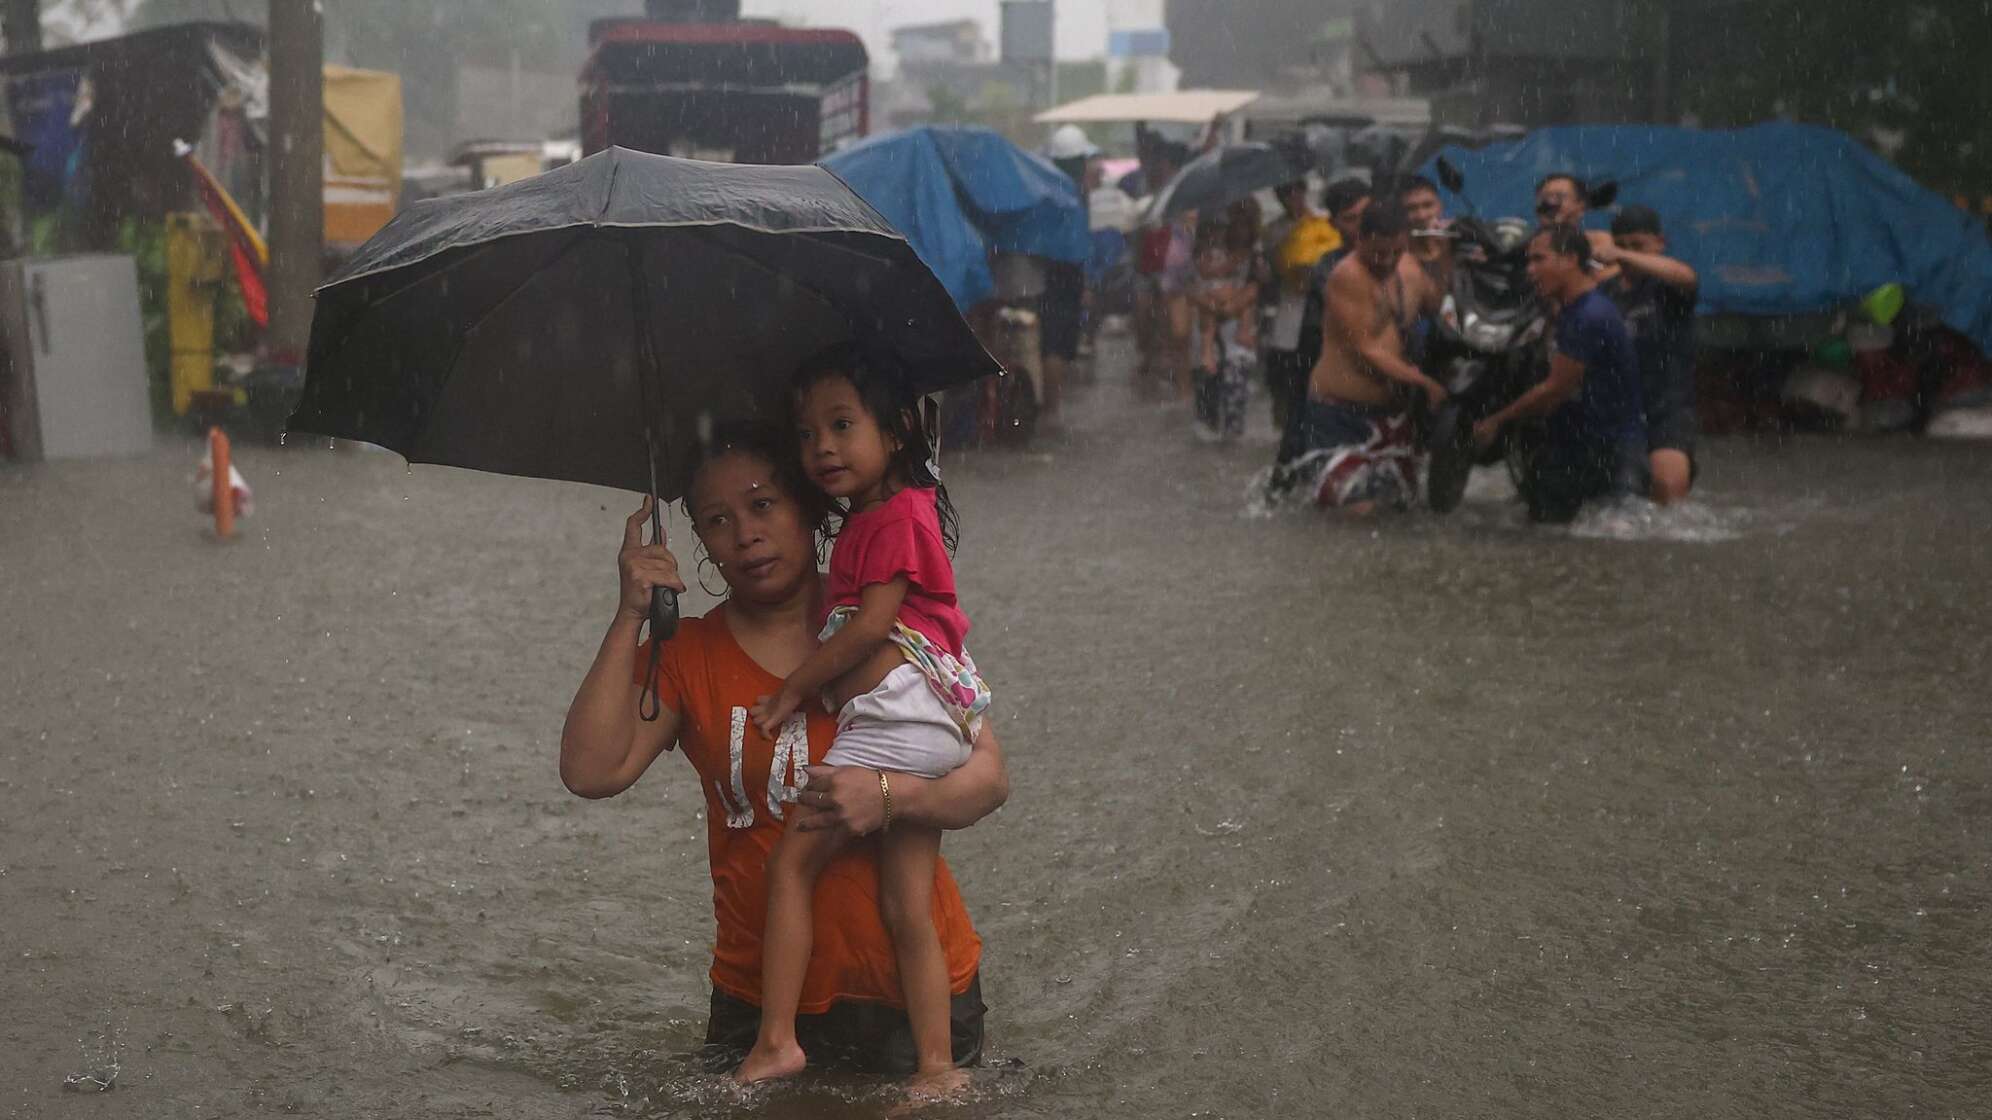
[[224, 496], [219, 488]]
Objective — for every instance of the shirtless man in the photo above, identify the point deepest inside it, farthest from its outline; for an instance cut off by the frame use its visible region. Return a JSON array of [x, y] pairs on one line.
[[1352, 439]]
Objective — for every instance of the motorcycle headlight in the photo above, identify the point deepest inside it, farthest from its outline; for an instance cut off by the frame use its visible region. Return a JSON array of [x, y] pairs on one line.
[[1485, 335]]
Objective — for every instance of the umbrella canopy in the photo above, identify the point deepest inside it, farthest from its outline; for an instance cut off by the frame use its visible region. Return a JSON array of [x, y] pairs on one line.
[[593, 322], [1221, 177]]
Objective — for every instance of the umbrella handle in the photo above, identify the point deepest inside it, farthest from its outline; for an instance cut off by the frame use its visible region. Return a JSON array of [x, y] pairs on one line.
[[663, 600], [663, 614], [663, 624]]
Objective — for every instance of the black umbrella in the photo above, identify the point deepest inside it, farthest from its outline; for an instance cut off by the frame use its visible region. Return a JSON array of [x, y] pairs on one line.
[[1224, 175], [590, 323]]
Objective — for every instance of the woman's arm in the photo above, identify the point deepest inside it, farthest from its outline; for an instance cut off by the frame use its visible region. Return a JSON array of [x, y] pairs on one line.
[[849, 797], [605, 747]]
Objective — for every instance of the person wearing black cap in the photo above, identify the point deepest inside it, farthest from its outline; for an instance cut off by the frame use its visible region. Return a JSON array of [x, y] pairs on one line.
[[1656, 295]]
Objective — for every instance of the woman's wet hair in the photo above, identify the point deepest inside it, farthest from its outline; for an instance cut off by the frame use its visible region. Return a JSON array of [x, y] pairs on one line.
[[774, 445], [1568, 240], [897, 414]]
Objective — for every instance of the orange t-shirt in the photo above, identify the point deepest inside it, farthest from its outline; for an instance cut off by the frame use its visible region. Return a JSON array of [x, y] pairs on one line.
[[707, 679]]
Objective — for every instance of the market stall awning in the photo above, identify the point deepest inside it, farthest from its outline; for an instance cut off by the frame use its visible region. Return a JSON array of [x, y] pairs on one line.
[[1190, 106]]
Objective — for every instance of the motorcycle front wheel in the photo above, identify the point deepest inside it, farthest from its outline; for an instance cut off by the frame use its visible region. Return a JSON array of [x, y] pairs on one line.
[[1452, 456]]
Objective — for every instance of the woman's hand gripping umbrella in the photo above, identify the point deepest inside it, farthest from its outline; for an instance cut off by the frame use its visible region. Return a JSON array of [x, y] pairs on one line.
[[593, 323]]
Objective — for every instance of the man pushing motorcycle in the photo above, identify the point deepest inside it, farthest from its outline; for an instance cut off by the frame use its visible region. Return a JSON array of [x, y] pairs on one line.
[[1592, 443], [1352, 438]]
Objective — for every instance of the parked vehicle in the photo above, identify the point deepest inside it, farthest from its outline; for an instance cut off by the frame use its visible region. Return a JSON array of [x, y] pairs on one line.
[[696, 80]]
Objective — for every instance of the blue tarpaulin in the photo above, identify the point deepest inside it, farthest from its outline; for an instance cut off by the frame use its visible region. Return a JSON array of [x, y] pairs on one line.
[[1779, 219], [958, 192]]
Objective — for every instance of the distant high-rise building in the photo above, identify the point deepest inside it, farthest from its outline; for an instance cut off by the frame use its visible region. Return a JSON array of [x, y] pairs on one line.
[[1491, 61], [1138, 47], [957, 41], [1264, 44]]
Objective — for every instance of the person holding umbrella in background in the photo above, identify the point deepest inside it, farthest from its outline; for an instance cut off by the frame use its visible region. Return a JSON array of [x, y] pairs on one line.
[[1226, 299], [1218, 190]]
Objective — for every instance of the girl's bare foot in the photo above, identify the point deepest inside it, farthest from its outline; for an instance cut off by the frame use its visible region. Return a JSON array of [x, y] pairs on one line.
[[767, 1063], [940, 1086]]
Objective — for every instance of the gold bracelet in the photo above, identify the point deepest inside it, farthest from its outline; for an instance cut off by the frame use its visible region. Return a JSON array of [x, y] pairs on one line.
[[885, 790]]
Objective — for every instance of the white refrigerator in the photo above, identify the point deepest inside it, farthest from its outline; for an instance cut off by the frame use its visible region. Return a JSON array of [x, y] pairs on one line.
[[72, 375]]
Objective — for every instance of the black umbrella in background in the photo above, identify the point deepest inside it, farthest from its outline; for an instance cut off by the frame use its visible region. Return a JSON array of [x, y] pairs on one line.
[[1224, 175], [592, 323]]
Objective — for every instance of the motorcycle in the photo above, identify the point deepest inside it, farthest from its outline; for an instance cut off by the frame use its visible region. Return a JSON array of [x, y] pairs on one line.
[[1488, 345]]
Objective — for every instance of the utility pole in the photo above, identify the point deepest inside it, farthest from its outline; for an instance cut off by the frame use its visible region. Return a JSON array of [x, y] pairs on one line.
[[297, 171], [20, 25]]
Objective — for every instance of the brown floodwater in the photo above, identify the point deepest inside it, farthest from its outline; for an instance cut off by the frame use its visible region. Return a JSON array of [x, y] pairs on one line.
[[1680, 815]]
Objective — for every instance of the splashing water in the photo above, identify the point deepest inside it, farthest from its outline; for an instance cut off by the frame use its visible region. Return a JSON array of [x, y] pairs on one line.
[[1490, 490], [1636, 519]]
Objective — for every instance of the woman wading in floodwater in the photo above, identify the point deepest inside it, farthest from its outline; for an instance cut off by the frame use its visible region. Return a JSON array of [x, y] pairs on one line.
[[758, 521]]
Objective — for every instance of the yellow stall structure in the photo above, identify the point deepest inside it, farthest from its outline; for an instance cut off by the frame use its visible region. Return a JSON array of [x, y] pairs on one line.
[[363, 141], [363, 154]]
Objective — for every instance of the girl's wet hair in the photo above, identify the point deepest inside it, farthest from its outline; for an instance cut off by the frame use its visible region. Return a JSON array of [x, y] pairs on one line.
[[773, 445], [897, 414]]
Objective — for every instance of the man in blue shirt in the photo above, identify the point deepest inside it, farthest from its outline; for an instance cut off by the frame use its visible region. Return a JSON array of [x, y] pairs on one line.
[[1593, 440]]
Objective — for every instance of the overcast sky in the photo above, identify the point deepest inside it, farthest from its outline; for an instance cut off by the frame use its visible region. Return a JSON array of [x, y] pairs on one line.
[[1082, 24]]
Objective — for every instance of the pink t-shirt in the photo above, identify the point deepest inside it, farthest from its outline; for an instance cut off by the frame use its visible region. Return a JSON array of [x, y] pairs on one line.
[[901, 538]]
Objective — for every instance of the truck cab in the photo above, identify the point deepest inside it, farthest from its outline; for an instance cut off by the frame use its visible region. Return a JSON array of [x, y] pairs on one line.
[[693, 79]]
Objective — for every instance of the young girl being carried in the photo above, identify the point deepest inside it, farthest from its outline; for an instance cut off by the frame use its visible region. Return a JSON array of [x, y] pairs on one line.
[[893, 667]]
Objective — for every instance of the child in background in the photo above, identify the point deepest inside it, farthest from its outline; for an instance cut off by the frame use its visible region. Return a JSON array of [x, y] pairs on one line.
[[1226, 299]]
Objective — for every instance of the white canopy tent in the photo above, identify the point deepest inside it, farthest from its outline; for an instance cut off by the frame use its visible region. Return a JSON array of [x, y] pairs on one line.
[[1190, 106]]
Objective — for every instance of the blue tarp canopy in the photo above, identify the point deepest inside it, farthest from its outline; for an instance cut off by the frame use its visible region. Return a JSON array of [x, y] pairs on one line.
[[958, 192], [1779, 219]]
